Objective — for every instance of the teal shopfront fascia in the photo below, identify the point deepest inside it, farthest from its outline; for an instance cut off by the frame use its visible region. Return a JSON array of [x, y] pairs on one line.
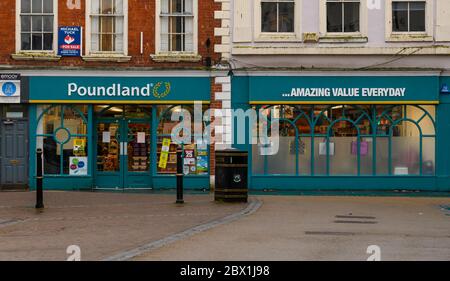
[[109, 132], [347, 132]]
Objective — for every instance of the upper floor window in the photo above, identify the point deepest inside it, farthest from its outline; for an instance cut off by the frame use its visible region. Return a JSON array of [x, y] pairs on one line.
[[107, 26], [343, 15], [36, 25], [408, 16], [177, 25], [277, 16]]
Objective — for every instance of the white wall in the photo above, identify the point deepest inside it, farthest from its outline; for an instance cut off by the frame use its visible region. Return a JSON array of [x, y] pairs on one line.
[[247, 50]]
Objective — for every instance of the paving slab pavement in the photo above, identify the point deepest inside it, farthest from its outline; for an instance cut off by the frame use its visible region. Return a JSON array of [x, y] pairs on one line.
[[100, 223], [324, 228]]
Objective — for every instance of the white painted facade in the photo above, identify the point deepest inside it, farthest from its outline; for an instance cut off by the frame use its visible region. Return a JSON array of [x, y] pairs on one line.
[[310, 46]]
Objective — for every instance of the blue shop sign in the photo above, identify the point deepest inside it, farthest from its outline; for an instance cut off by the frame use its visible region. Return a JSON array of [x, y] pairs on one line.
[[69, 41], [65, 89], [338, 89]]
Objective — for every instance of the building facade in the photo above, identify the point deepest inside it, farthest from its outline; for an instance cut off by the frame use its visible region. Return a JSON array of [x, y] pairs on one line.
[[360, 88], [94, 83]]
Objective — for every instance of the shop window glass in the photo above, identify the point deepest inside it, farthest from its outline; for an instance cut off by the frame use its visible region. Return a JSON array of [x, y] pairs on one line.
[[283, 162], [320, 157], [62, 134], [106, 111], [400, 149], [382, 156], [429, 157], [425, 120], [304, 156], [108, 158], [366, 156], [343, 161], [196, 155], [406, 149], [258, 160]]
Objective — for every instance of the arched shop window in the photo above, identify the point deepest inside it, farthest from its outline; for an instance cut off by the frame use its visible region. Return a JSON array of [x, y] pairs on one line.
[[196, 160], [62, 133], [351, 140]]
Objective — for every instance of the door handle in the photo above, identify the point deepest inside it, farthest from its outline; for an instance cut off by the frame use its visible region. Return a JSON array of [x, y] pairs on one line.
[[123, 148]]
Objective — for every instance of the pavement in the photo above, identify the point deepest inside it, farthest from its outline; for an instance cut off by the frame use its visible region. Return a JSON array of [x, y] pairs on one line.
[[124, 226], [324, 228], [101, 224]]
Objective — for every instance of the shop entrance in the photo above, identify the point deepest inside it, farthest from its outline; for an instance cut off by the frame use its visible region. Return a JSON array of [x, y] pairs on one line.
[[13, 147], [123, 150]]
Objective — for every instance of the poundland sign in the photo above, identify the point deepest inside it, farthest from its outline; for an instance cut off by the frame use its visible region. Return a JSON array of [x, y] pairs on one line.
[[118, 89], [159, 91]]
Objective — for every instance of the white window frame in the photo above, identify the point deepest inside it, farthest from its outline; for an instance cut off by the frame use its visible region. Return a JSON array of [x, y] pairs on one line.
[[19, 31], [363, 18], [88, 33], [278, 36], [419, 36], [158, 50]]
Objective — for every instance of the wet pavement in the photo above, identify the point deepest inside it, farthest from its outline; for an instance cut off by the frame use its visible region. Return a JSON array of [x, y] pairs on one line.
[[100, 223]]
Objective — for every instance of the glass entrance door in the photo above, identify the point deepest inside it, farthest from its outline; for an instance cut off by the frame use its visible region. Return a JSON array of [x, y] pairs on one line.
[[123, 154], [137, 154]]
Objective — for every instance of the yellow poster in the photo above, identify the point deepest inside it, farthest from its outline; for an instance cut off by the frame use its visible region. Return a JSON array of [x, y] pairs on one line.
[[163, 158], [79, 147]]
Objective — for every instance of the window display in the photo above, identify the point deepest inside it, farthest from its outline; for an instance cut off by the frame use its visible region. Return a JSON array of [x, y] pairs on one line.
[[195, 154], [62, 134], [351, 140]]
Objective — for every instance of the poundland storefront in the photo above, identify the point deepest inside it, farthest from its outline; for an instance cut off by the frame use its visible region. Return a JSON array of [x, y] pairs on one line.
[[350, 132], [114, 132]]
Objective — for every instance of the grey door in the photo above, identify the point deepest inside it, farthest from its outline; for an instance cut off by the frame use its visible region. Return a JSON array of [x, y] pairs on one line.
[[14, 154]]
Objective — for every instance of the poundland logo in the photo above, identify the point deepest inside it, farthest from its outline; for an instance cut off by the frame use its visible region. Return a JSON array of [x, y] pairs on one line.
[[158, 90]]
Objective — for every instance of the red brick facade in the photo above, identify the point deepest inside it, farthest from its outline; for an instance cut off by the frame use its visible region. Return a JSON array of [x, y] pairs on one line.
[[141, 18]]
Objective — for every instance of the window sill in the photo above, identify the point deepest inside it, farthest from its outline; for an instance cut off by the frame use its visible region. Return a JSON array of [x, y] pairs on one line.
[[107, 58], [37, 56], [408, 37], [176, 57], [343, 39]]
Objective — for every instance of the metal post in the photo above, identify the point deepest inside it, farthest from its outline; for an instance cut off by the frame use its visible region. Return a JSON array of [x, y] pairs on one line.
[[179, 176], [39, 178]]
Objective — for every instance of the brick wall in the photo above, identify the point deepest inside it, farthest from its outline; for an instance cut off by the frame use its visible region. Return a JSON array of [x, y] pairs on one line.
[[141, 18], [215, 104]]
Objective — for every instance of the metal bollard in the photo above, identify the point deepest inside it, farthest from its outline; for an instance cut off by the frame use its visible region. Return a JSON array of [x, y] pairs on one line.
[[39, 179], [180, 175]]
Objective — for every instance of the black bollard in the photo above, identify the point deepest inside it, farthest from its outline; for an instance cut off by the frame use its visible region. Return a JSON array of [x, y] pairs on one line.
[[39, 178], [180, 175]]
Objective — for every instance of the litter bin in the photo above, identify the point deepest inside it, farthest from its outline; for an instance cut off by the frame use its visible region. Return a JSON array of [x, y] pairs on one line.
[[231, 176]]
